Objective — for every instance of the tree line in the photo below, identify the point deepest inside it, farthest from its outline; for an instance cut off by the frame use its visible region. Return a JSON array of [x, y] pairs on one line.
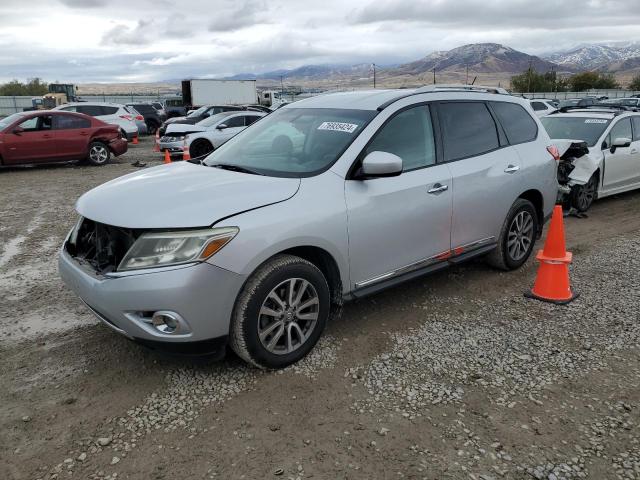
[[34, 87], [532, 81]]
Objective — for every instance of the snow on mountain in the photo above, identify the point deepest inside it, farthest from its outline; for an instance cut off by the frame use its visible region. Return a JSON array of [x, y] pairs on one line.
[[594, 56]]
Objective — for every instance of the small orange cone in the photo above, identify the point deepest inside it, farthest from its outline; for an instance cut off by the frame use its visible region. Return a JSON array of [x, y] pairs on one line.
[[167, 157], [186, 156], [135, 140], [552, 282]]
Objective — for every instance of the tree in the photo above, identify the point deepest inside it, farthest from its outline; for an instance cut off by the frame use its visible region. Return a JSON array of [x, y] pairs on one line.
[[635, 83], [588, 80], [34, 87], [532, 81]]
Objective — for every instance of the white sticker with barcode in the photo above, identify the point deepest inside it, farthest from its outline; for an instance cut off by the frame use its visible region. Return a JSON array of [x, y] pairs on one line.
[[338, 127], [595, 120]]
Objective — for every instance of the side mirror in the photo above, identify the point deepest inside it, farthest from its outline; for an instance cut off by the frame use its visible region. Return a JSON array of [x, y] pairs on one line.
[[620, 142], [222, 126], [18, 130], [380, 164]]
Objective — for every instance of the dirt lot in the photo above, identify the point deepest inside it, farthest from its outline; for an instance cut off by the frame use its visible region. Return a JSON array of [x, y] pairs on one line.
[[450, 376]]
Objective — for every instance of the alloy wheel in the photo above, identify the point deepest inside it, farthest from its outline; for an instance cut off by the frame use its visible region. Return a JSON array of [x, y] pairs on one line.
[[586, 194], [288, 316], [520, 235], [98, 154]]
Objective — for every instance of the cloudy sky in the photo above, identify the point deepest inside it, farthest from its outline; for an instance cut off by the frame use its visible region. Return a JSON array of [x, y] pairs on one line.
[[150, 40]]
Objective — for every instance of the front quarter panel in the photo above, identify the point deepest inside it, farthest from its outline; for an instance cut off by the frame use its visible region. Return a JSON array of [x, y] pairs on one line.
[[316, 216]]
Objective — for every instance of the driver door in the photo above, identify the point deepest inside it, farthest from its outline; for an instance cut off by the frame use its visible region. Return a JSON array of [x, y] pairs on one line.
[[36, 142], [622, 167], [400, 224]]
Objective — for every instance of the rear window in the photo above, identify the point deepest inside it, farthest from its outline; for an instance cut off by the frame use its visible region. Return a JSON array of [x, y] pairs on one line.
[[143, 108], [92, 110], [575, 128], [537, 106], [468, 129], [109, 110], [516, 122]]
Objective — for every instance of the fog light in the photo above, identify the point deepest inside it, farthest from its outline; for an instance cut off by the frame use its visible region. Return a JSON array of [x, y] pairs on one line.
[[165, 322]]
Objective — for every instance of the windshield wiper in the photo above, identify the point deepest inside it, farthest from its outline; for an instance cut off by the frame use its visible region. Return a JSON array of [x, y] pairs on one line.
[[235, 168]]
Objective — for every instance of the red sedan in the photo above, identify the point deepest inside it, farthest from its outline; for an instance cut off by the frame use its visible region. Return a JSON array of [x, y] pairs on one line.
[[55, 136]]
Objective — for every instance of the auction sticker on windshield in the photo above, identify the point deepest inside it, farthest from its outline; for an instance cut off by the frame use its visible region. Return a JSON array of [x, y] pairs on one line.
[[595, 120], [338, 127]]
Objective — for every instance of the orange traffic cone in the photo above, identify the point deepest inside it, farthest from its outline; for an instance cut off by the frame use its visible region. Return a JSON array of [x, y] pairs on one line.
[[135, 140], [167, 157], [552, 282], [185, 154]]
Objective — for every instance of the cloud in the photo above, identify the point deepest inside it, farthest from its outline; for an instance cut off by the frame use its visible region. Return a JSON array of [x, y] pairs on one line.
[[123, 35], [249, 13], [84, 3]]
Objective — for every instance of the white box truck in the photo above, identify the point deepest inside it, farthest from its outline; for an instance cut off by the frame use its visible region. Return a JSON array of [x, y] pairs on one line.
[[197, 93]]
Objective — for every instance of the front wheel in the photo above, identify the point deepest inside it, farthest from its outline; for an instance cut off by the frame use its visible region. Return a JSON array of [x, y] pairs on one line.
[[582, 196], [280, 312], [99, 154], [517, 237], [200, 148]]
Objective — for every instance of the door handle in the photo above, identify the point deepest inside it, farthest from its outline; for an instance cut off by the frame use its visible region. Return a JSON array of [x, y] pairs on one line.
[[46, 136], [437, 188], [511, 169], [84, 134]]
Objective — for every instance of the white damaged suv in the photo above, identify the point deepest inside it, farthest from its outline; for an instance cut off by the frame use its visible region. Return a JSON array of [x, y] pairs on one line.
[[325, 200]]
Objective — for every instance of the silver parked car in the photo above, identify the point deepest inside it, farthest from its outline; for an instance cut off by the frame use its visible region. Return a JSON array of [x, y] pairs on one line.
[[324, 200]]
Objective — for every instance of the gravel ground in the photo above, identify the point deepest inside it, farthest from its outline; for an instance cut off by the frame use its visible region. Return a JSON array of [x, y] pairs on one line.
[[456, 375]]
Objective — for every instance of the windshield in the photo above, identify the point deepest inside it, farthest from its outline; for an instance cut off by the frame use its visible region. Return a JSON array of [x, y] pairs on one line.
[[213, 119], [4, 122], [198, 112], [293, 142], [575, 128], [569, 103]]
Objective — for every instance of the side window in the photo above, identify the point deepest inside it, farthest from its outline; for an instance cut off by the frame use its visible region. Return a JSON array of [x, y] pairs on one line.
[[468, 129], [408, 135], [30, 125], [108, 110], [636, 127], [622, 129], [92, 110], [68, 122], [234, 122], [249, 119], [69, 109], [516, 122], [537, 106]]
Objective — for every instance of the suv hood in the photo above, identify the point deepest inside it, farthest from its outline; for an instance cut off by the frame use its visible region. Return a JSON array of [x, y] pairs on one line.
[[189, 121], [181, 195]]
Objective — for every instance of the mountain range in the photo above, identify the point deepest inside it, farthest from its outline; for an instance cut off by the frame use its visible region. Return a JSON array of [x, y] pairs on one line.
[[489, 62]]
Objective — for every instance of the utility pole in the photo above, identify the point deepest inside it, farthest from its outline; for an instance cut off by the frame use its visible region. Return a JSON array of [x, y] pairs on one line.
[[281, 87], [374, 74], [467, 68], [434, 75], [529, 87]]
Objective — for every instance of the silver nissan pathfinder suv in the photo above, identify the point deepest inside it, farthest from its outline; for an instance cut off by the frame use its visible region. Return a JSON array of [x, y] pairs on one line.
[[324, 200]]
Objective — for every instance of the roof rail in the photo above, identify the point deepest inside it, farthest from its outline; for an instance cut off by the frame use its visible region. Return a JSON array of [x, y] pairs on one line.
[[461, 87], [601, 107], [445, 87]]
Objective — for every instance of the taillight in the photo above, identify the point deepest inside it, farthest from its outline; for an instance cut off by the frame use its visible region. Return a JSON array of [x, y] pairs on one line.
[[127, 117], [139, 117], [554, 152]]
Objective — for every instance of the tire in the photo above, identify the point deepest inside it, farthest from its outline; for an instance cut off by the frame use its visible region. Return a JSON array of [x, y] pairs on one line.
[[257, 313], [152, 127], [123, 134], [509, 255], [99, 154], [581, 197], [200, 148]]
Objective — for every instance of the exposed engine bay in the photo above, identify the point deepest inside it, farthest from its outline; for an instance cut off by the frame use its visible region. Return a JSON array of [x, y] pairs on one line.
[[101, 246], [575, 168]]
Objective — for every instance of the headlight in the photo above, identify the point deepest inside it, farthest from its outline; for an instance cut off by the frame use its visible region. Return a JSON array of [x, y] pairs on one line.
[[160, 249]]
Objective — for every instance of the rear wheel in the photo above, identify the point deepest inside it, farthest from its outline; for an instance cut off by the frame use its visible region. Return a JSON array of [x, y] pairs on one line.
[[99, 154], [517, 237], [582, 196], [280, 313], [200, 148], [152, 127]]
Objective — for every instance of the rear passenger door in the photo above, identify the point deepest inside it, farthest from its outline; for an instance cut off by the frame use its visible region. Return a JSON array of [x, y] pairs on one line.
[[485, 172], [73, 134]]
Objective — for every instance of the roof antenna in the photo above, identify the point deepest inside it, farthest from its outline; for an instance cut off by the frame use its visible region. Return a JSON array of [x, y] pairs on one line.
[[474, 80]]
